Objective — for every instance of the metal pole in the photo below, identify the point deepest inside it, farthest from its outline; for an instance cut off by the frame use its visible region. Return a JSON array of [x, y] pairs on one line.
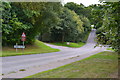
[[23, 45], [16, 47]]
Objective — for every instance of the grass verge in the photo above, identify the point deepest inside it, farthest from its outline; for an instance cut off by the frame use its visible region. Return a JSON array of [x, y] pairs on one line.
[[74, 45], [36, 48], [110, 49], [71, 44], [101, 65]]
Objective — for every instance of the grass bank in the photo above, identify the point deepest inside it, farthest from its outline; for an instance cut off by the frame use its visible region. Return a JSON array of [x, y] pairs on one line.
[[71, 44], [110, 49], [74, 45], [36, 48], [101, 65]]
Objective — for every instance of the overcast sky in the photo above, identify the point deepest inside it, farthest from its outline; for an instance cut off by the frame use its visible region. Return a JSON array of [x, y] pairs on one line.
[[85, 2]]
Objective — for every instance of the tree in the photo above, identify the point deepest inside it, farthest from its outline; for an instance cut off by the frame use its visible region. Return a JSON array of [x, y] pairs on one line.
[[79, 9], [11, 26], [96, 17], [69, 27], [83, 12], [86, 23], [31, 18], [111, 25]]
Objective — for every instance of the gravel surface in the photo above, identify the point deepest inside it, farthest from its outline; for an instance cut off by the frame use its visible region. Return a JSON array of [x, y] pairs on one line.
[[41, 62]]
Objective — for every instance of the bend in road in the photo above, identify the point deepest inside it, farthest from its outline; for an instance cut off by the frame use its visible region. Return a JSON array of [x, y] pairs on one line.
[[15, 63]]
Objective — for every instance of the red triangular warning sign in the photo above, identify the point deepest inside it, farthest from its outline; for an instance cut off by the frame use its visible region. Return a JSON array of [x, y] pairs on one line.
[[23, 35]]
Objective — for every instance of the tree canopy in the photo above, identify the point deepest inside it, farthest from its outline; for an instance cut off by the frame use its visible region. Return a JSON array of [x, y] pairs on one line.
[[108, 31], [36, 19], [54, 22]]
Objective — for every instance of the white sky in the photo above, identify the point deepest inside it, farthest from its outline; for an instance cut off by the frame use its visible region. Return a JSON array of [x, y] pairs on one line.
[[85, 2]]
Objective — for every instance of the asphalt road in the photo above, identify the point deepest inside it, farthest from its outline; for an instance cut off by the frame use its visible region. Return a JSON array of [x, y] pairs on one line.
[[15, 63]]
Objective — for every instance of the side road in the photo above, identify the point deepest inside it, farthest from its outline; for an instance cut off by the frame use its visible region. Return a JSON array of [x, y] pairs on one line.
[[41, 62]]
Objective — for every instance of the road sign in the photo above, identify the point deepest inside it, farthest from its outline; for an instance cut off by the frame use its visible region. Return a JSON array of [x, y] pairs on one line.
[[23, 35], [19, 46], [23, 39]]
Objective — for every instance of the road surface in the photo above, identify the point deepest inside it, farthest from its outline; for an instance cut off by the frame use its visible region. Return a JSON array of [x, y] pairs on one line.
[[13, 64]]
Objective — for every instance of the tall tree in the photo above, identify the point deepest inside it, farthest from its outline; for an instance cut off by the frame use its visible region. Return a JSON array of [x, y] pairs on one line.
[[96, 17], [12, 27], [69, 27], [111, 28], [31, 18]]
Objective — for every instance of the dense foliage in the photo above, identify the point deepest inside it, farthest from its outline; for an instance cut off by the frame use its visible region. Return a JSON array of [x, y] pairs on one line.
[[104, 17], [96, 15], [53, 22], [109, 30], [69, 27], [83, 12], [12, 27], [80, 9], [38, 19]]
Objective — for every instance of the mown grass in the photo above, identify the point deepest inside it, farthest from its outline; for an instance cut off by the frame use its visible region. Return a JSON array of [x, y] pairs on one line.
[[101, 65], [110, 49], [71, 44], [37, 48], [74, 45]]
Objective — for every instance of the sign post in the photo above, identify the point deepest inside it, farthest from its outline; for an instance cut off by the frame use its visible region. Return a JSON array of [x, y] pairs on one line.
[[23, 45], [16, 48], [23, 39]]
